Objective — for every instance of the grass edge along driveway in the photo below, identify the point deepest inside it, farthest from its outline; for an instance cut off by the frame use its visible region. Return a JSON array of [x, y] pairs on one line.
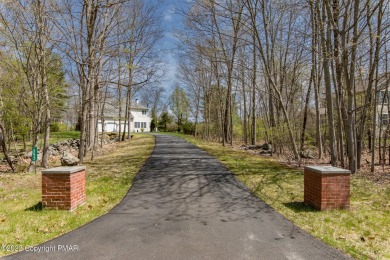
[[363, 231], [24, 223]]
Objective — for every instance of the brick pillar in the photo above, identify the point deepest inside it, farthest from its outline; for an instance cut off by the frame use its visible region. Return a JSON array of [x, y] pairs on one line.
[[63, 187], [327, 187]]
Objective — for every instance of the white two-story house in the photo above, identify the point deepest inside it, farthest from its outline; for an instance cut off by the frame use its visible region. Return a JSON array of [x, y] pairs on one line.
[[382, 100], [139, 118]]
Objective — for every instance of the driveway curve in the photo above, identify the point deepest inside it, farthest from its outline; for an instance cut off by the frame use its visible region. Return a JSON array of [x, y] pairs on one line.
[[184, 204]]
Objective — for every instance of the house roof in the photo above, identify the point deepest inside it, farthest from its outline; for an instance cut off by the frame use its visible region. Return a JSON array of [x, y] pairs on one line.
[[138, 106], [383, 83], [111, 108]]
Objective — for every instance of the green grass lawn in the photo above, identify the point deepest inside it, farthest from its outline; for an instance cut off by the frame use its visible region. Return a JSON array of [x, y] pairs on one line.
[[24, 223], [363, 231], [64, 135]]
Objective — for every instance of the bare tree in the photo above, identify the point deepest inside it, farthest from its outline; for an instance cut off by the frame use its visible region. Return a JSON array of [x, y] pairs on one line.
[[85, 27], [141, 33], [27, 31], [3, 141]]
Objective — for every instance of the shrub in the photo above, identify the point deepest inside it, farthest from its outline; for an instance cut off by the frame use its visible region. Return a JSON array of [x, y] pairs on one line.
[[54, 127], [188, 128], [171, 127], [152, 125]]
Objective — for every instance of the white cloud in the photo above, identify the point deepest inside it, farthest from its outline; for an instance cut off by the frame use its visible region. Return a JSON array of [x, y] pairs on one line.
[[168, 16]]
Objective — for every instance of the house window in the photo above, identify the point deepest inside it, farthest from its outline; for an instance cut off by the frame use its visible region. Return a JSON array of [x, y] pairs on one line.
[[384, 119], [144, 112], [137, 125], [382, 97], [143, 125]]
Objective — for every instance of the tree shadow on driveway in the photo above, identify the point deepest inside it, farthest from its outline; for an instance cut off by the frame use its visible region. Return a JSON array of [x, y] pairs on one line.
[[180, 182]]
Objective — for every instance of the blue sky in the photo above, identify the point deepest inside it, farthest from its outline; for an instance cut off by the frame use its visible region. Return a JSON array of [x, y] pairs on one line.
[[172, 21]]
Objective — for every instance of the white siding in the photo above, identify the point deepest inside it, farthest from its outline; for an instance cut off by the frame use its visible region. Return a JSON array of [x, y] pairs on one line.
[[138, 117], [110, 126], [141, 122]]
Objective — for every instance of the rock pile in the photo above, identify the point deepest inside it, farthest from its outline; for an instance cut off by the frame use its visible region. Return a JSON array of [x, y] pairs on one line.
[[265, 148], [64, 146], [69, 159], [13, 159], [307, 154], [69, 147], [108, 139]]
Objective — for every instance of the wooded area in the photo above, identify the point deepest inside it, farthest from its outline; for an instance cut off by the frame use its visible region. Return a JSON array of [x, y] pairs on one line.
[[302, 75], [61, 61], [297, 74]]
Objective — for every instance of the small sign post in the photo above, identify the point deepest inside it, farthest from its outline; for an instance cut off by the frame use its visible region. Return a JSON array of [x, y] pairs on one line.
[[34, 157]]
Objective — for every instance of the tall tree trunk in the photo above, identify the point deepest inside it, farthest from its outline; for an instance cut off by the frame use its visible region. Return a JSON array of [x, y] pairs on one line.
[[254, 78], [328, 85], [42, 31], [3, 140], [316, 77], [243, 104], [83, 121], [127, 118], [333, 17], [305, 112], [367, 106], [102, 118], [47, 119], [350, 127], [119, 105], [378, 38]]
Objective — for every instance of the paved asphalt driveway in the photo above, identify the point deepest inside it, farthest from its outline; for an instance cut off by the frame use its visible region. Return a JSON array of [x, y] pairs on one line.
[[185, 205]]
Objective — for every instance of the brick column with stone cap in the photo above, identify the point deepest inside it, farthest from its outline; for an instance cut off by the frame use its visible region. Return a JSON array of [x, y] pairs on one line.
[[63, 187], [327, 187]]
